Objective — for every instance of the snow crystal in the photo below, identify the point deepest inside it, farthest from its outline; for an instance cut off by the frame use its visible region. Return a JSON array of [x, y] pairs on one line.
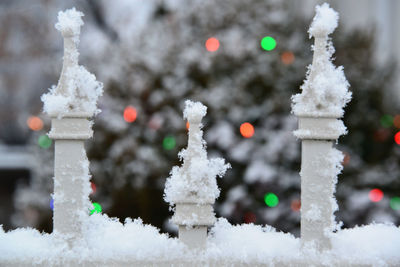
[[195, 181], [325, 89], [69, 23]]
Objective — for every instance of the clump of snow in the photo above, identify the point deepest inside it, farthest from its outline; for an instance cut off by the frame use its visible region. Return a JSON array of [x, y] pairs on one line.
[[324, 22], [81, 93], [249, 243], [325, 89], [77, 90], [69, 23], [194, 111], [375, 244], [195, 181], [104, 240]]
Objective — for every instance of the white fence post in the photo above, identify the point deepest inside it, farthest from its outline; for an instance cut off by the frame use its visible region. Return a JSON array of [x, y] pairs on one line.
[[70, 104], [192, 188], [324, 94]]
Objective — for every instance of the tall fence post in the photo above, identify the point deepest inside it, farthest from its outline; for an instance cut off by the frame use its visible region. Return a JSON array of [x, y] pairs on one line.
[[192, 188], [70, 107], [324, 94]]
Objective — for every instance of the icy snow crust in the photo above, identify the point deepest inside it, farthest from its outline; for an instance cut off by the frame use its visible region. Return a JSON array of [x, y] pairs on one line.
[[325, 89], [77, 90], [195, 181], [110, 242]]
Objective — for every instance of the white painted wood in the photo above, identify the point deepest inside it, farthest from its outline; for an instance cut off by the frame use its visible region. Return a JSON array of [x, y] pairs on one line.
[[71, 166], [316, 193], [191, 215]]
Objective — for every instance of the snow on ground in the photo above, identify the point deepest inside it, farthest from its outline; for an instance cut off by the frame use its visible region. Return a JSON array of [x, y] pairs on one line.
[[106, 239]]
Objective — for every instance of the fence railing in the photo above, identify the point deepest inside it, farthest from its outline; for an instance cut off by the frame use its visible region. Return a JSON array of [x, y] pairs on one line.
[[96, 240]]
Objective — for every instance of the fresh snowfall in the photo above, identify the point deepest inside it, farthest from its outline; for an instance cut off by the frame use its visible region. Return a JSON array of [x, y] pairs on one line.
[[108, 242]]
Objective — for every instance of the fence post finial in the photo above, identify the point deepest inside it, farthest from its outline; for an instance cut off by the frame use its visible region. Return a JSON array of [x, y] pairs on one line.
[[70, 104], [319, 107], [193, 188]]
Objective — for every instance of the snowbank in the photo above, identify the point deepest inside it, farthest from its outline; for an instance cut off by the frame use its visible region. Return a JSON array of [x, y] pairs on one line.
[[108, 241]]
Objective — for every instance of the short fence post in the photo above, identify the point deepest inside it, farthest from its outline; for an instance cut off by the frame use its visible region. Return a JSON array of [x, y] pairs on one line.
[[324, 94], [192, 188], [70, 127]]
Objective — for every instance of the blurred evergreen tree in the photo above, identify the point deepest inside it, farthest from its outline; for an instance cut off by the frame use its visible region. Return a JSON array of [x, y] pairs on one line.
[[152, 56]]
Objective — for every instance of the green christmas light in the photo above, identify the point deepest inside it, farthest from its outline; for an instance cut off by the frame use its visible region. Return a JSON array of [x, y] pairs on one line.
[[169, 142], [271, 200], [96, 208], [268, 43], [387, 121], [395, 203], [44, 141]]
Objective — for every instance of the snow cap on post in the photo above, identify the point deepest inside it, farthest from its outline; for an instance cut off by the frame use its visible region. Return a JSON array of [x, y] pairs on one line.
[[325, 90], [195, 181], [194, 111], [77, 90], [324, 22], [69, 23]]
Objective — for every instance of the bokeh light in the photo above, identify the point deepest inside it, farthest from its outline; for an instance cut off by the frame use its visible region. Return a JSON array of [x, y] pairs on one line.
[[96, 208], [396, 121], [93, 187], [287, 58], [249, 217], [130, 114], [44, 141], [387, 121], [271, 200], [295, 205], [395, 203], [268, 43], [375, 195], [397, 138], [169, 142], [246, 130], [212, 44], [35, 123], [155, 122], [381, 135], [346, 159]]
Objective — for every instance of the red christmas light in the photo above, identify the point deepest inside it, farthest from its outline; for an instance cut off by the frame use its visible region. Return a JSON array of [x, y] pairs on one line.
[[397, 138], [295, 205], [130, 114], [212, 44], [246, 130], [375, 195], [35, 123]]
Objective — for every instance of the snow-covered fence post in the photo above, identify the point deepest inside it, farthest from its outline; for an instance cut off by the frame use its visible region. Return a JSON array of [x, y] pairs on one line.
[[70, 104], [193, 188], [319, 107]]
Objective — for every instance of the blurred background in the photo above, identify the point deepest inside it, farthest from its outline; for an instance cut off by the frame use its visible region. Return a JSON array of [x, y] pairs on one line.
[[153, 55]]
